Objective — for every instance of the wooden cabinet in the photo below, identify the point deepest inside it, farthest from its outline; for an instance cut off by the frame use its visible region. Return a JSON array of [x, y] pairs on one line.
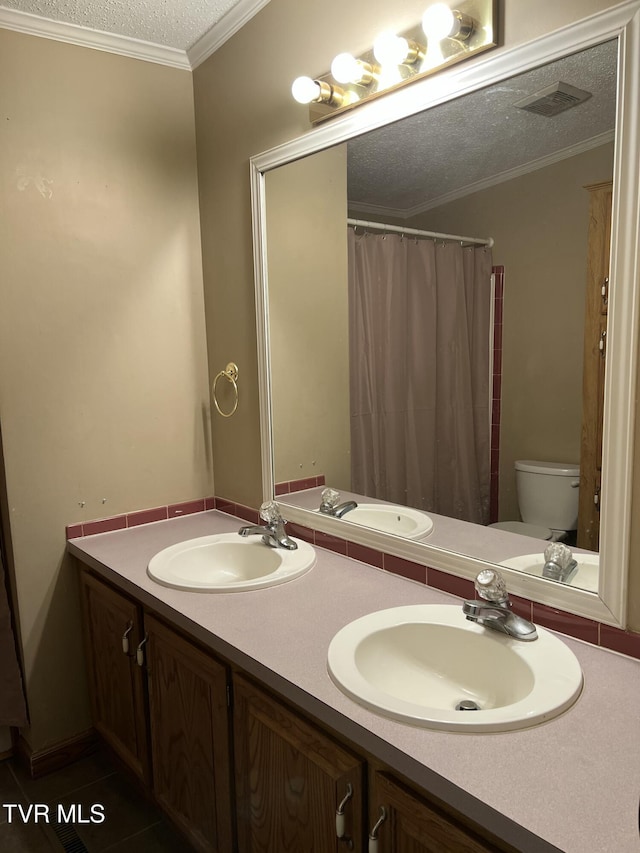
[[595, 350], [161, 703], [291, 779], [189, 738], [113, 630], [403, 822]]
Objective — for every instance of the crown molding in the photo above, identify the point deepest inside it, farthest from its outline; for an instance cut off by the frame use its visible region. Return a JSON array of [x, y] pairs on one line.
[[486, 183], [228, 26], [34, 25]]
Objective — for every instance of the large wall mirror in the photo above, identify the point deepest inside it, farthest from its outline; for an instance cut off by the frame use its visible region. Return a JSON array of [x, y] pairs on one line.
[[449, 193]]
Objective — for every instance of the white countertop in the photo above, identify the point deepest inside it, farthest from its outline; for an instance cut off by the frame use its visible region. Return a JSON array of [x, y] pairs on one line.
[[571, 784]]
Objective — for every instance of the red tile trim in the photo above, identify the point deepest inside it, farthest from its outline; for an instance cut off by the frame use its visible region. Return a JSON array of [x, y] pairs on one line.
[[146, 516], [364, 554], [333, 543], [134, 519], [615, 639], [289, 486], [521, 606], [462, 587], [566, 623], [625, 642], [299, 531], [186, 508], [104, 525], [225, 505], [247, 514], [405, 568]]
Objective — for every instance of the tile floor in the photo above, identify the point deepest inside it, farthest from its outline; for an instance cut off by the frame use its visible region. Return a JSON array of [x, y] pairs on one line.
[[130, 822]]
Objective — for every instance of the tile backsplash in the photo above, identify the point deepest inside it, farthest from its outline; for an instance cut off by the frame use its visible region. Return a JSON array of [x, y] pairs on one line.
[[614, 639]]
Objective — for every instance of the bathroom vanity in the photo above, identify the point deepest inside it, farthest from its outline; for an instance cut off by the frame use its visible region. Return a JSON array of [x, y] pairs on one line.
[[221, 705]]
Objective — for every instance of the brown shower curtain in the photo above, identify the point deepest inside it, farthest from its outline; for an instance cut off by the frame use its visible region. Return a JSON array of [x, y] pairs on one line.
[[419, 362]]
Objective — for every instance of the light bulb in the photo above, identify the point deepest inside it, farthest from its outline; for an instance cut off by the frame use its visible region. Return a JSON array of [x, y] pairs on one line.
[[305, 90], [390, 49], [438, 22], [345, 68]]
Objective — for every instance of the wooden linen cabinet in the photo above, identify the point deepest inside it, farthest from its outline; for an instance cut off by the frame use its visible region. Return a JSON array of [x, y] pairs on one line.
[[595, 350]]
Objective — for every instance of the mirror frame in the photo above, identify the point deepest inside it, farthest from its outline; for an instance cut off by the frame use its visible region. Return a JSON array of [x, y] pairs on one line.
[[621, 22]]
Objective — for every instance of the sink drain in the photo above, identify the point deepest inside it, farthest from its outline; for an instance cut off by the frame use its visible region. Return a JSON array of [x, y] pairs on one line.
[[467, 705]]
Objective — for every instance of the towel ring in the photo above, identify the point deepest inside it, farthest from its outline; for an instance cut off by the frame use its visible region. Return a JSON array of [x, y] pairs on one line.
[[230, 373]]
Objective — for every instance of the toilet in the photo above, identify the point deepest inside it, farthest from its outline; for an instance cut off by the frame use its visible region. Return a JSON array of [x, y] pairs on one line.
[[547, 498]]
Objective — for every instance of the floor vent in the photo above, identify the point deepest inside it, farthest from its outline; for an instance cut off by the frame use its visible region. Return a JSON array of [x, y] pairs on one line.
[[69, 838], [553, 100]]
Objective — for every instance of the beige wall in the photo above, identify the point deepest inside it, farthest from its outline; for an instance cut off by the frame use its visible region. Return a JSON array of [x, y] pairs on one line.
[[103, 374], [239, 114], [539, 222], [308, 310]]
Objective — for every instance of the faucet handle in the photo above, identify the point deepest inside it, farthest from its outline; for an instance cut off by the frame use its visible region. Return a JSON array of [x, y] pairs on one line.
[[330, 497], [270, 512], [559, 554], [491, 586]]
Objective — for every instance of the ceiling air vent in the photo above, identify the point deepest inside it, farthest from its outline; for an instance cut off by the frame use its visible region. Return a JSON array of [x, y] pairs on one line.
[[553, 100]]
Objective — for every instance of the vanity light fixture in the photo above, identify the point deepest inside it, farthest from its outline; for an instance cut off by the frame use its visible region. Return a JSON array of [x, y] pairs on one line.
[[452, 35]]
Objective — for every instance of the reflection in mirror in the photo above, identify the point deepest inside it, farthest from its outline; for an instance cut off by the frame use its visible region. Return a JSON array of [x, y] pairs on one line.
[[446, 374]]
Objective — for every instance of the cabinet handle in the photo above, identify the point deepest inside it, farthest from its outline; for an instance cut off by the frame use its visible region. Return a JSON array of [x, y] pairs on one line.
[[340, 821], [601, 343], [140, 651], [125, 638], [373, 835]]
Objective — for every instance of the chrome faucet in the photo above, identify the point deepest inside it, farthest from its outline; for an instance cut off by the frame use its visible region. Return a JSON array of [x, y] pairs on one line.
[[559, 564], [329, 504], [273, 532], [494, 609]]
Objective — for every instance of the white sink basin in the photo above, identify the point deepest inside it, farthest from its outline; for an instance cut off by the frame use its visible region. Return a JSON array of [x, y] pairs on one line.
[[389, 518], [586, 576], [227, 562], [417, 663]]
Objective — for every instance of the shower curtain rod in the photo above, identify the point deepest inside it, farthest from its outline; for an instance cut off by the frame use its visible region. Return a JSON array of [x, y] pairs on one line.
[[380, 226]]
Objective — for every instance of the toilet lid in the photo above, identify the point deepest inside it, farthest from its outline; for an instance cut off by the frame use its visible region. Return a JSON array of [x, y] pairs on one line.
[[534, 530]]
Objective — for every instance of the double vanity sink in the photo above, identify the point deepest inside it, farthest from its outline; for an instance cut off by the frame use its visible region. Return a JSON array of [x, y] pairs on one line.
[[403, 645], [426, 665]]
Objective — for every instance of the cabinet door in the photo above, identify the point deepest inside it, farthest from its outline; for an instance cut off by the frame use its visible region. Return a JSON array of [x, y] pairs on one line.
[[290, 780], [112, 629], [189, 737], [411, 825]]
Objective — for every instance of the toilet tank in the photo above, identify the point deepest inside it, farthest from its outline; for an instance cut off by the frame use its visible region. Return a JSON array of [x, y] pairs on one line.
[[548, 493]]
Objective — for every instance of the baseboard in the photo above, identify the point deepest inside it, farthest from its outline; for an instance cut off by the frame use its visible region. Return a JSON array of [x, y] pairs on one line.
[[40, 762]]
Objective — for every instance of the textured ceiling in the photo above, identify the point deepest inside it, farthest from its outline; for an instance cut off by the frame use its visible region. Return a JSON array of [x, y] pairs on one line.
[[451, 149], [170, 23]]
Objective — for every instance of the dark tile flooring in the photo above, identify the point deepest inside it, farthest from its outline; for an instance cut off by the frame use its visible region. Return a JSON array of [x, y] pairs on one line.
[[130, 822]]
